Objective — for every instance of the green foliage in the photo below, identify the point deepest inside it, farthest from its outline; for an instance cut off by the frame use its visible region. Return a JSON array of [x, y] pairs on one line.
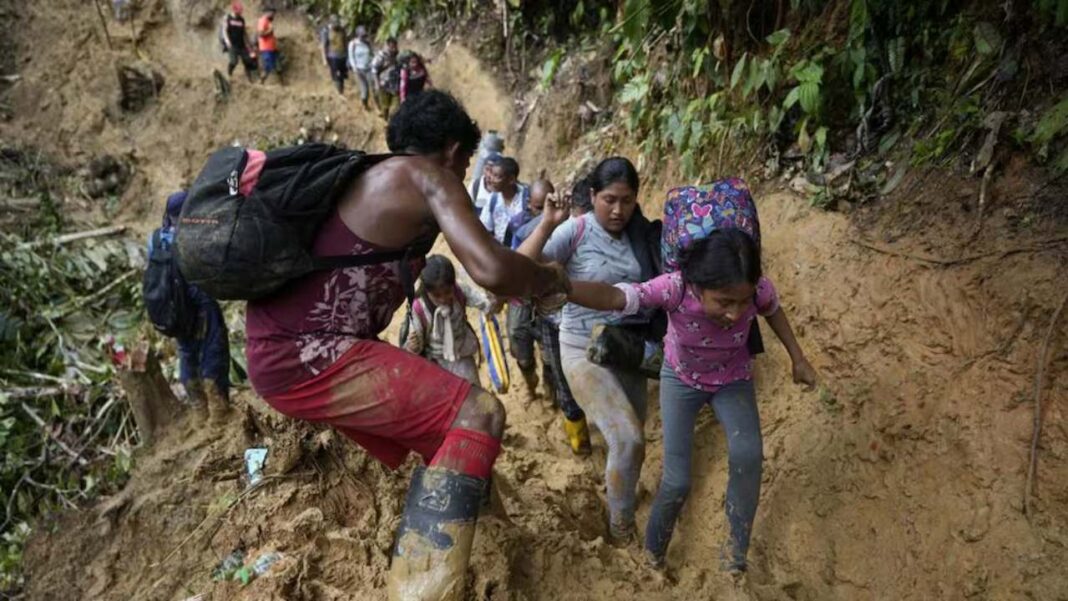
[[1054, 12], [1051, 127], [65, 432]]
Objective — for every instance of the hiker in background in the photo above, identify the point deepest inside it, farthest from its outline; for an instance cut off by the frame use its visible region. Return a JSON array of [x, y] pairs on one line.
[[414, 77], [603, 247], [510, 199], [581, 197], [121, 9], [335, 51], [439, 329], [314, 351], [360, 57], [547, 331], [492, 144], [204, 349], [386, 69], [235, 39], [268, 45], [711, 303]]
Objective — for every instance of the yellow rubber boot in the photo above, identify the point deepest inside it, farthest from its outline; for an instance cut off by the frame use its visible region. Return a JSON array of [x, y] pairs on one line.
[[578, 435]]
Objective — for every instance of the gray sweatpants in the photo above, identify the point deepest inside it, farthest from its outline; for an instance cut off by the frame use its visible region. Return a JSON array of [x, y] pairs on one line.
[[736, 409], [615, 402]]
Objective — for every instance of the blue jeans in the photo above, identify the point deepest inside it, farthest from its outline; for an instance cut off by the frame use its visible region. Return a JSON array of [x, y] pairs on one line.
[[206, 355], [736, 409]]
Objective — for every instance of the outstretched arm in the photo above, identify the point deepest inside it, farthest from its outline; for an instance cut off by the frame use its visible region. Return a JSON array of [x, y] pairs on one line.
[[804, 373], [596, 295], [490, 265]]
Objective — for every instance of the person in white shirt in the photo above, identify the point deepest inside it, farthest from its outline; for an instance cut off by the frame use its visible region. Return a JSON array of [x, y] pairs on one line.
[[360, 56], [508, 196]]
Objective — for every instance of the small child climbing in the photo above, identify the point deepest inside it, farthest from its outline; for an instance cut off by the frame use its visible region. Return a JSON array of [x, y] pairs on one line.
[[711, 302], [439, 329]]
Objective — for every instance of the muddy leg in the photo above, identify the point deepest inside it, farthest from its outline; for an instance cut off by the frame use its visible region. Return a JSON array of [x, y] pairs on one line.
[[736, 409], [679, 405], [608, 403], [438, 528]]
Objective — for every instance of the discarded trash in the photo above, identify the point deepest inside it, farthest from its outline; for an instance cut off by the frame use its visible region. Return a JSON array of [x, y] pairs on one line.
[[265, 562], [229, 565], [255, 458]]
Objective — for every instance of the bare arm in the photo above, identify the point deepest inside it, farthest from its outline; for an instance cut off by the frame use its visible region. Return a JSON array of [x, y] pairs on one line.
[[489, 264], [556, 212], [804, 373], [597, 295]]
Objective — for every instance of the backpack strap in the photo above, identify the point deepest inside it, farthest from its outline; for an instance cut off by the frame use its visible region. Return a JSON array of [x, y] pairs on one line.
[[419, 309], [580, 233]]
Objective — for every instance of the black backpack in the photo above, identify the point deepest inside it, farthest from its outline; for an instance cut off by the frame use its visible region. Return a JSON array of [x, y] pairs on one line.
[[166, 294], [250, 219]]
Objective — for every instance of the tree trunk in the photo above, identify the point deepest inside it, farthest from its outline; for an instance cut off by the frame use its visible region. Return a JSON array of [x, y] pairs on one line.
[[151, 399]]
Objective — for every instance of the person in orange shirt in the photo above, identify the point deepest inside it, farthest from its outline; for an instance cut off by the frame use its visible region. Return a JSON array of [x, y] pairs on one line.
[[268, 45]]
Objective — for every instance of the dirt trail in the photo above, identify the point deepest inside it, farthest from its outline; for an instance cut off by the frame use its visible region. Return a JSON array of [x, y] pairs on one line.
[[902, 479]]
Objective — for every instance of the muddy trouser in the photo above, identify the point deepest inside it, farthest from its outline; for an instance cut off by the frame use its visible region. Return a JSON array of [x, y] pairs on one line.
[[465, 367], [363, 79], [205, 355], [521, 334], [387, 103], [241, 55], [339, 71], [550, 356], [736, 409], [615, 402]]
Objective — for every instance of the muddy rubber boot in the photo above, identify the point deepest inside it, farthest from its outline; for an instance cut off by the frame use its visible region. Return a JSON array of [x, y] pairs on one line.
[[198, 401], [218, 404], [578, 435], [434, 539], [530, 378]]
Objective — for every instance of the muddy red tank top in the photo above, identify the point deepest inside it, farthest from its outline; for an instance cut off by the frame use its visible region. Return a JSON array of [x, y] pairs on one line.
[[299, 332]]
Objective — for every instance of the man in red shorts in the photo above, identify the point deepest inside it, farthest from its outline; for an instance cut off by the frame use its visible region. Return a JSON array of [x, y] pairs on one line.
[[313, 351]]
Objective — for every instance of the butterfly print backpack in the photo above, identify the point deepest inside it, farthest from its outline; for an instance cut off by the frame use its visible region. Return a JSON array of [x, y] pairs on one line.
[[693, 212]]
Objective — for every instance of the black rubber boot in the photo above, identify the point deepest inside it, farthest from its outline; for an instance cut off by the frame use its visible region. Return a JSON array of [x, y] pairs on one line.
[[434, 540]]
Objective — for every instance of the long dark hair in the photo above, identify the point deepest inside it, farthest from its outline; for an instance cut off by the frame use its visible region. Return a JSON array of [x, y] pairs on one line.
[[723, 258], [612, 170]]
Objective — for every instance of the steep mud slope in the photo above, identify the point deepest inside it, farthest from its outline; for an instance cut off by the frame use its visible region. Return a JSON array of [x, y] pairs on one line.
[[901, 479]]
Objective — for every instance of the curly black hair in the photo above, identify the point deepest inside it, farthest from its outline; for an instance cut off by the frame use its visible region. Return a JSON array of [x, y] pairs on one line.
[[428, 122]]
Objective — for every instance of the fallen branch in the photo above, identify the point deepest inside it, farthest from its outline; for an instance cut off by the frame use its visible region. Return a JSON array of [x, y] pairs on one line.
[[943, 262], [526, 115], [104, 23], [1036, 432], [32, 392], [73, 237], [75, 456], [78, 303], [987, 173], [21, 204]]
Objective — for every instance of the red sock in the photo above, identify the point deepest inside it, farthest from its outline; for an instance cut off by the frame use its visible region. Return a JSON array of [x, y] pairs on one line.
[[468, 452]]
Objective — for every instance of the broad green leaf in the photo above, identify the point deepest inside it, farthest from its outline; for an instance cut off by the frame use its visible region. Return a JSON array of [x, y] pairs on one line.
[[821, 137], [809, 95], [808, 72], [635, 90], [778, 37], [1053, 122], [791, 98], [804, 141], [739, 68], [987, 39]]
